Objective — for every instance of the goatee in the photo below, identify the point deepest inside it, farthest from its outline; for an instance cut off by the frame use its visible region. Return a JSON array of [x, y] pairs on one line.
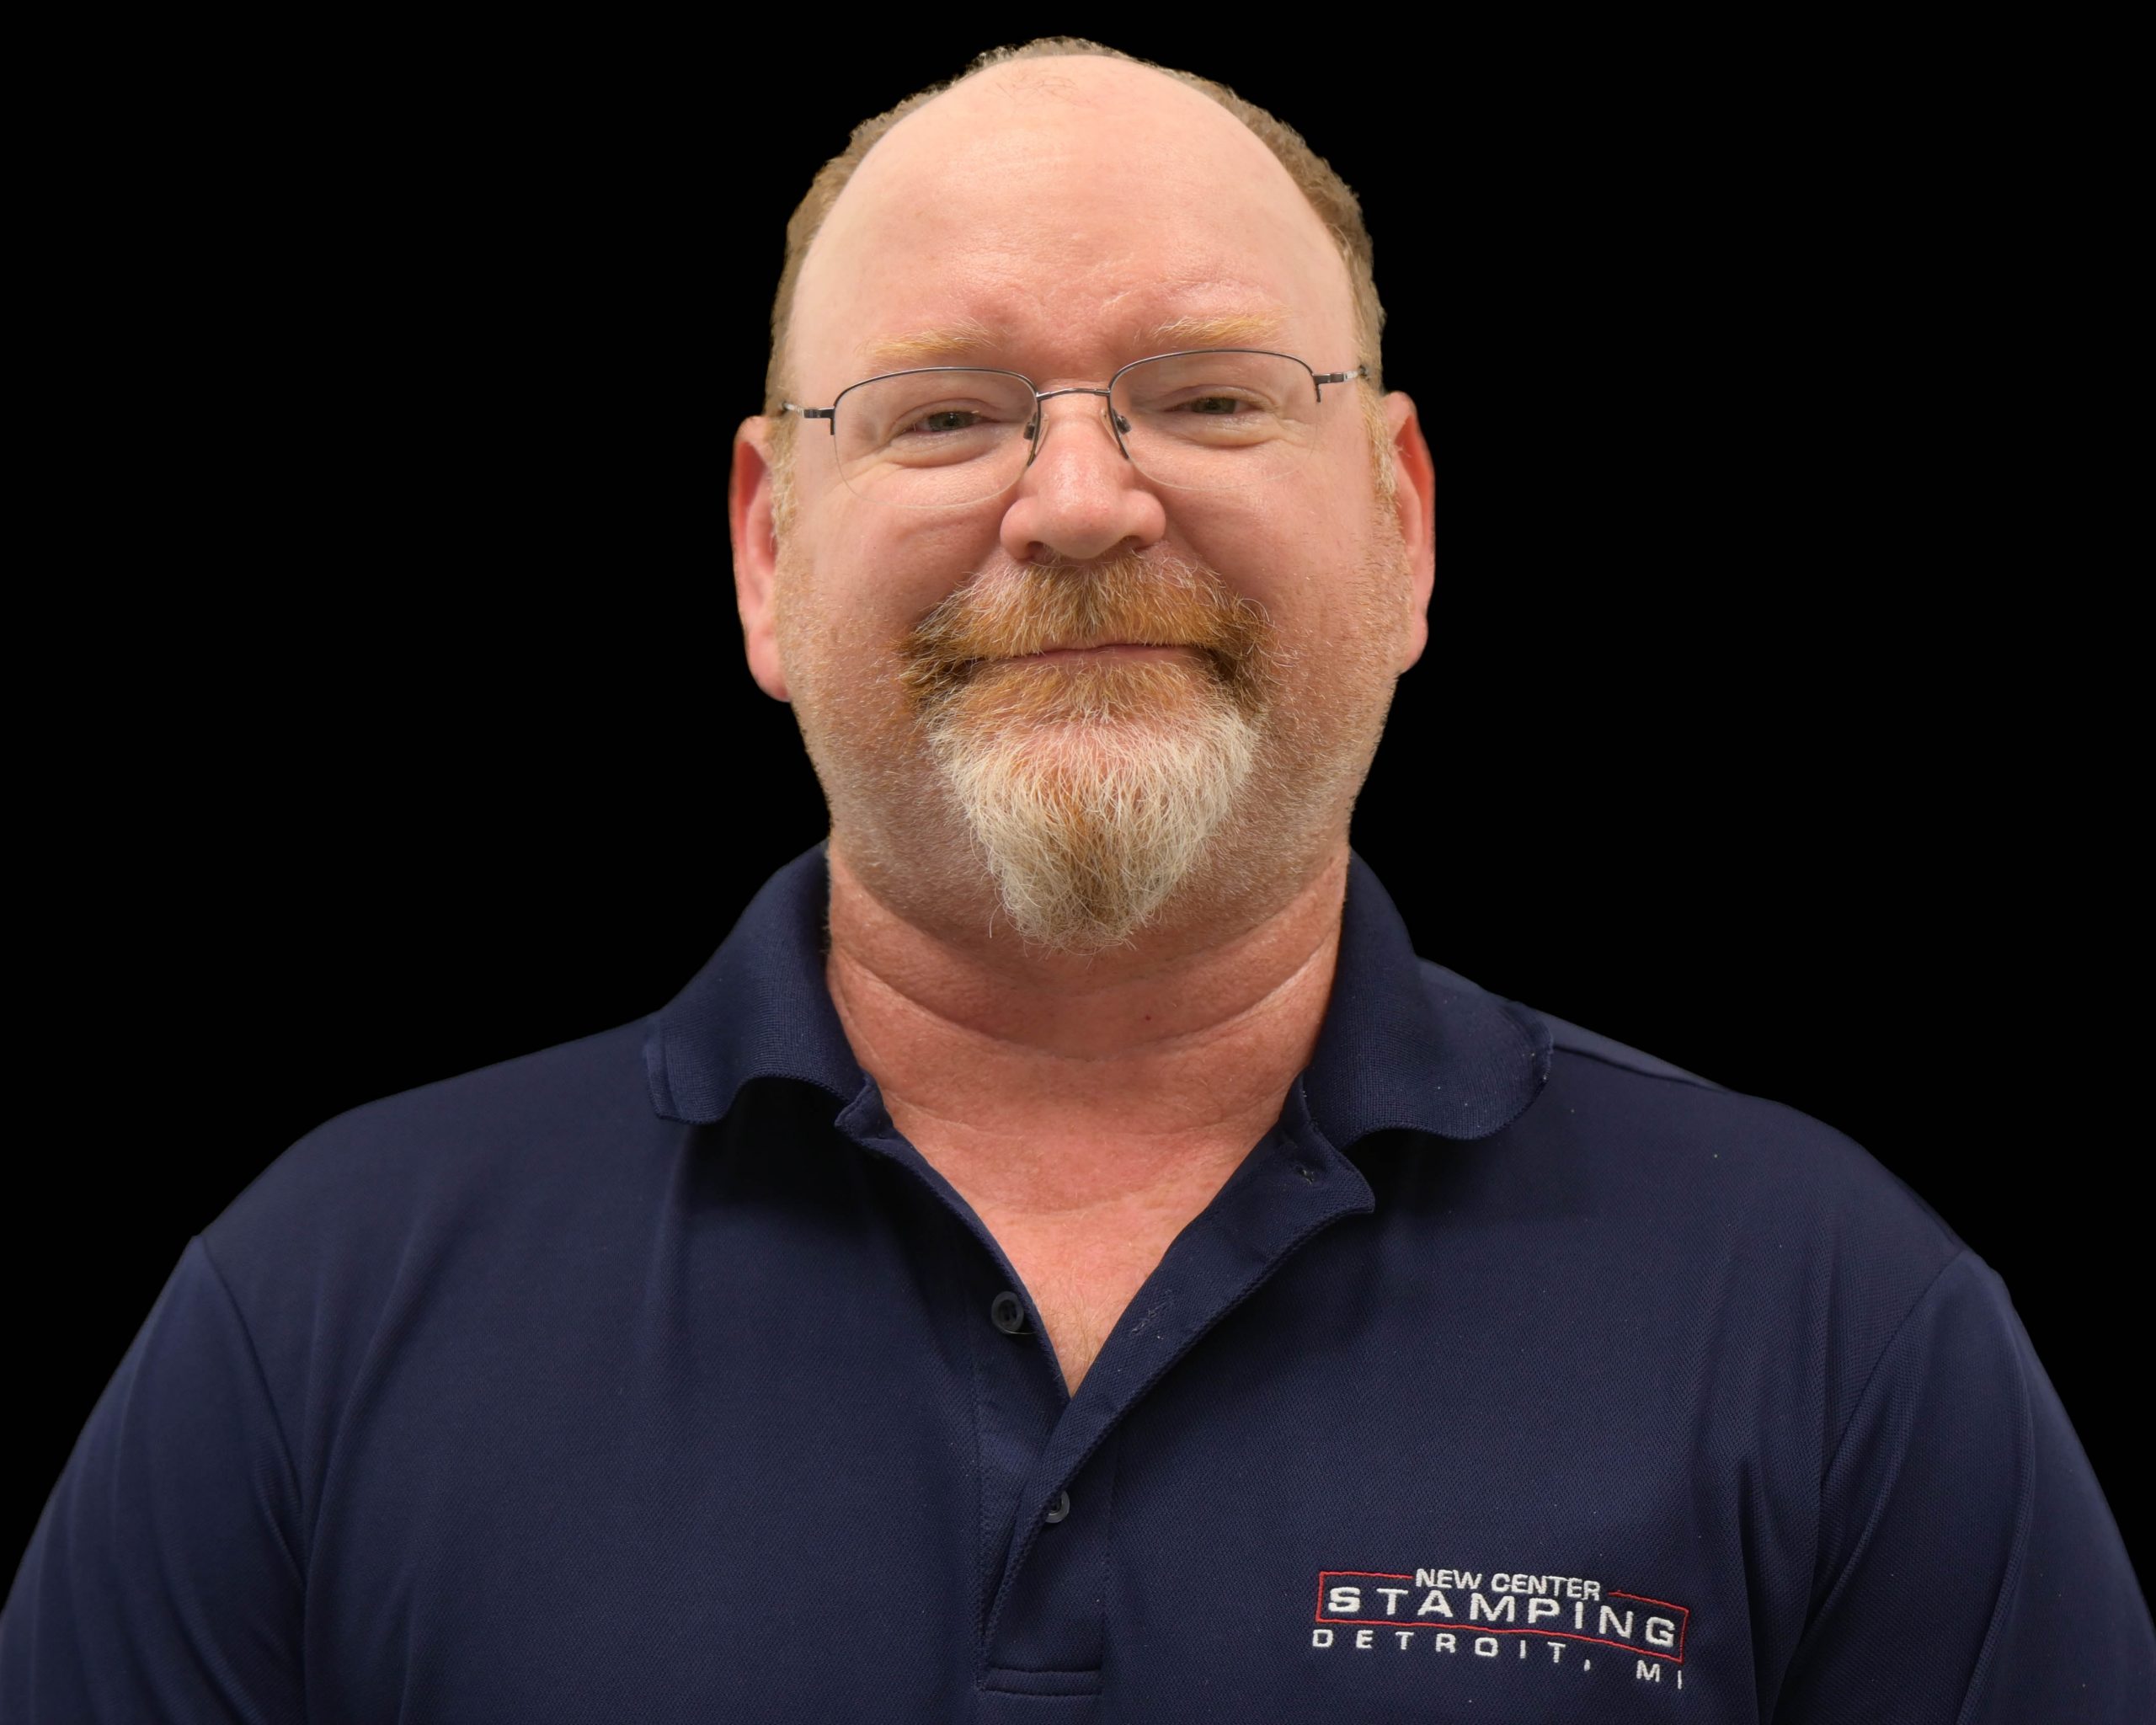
[[1092, 785]]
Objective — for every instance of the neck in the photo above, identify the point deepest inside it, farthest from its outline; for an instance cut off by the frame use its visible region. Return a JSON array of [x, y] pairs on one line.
[[1042, 1083]]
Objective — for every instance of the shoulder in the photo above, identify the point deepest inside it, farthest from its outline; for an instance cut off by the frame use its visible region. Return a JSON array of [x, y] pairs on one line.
[[1700, 1212], [539, 1115], [1735, 1154], [438, 1195], [1571, 1039]]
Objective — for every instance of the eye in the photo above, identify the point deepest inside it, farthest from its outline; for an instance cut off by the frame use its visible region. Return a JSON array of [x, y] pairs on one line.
[[1216, 404], [945, 419]]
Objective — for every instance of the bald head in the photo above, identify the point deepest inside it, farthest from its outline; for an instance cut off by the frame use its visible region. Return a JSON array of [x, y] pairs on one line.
[[1007, 98], [1041, 200]]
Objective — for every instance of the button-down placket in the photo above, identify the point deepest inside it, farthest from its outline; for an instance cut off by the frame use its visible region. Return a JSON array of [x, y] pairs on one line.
[[1048, 1460], [1292, 1186]]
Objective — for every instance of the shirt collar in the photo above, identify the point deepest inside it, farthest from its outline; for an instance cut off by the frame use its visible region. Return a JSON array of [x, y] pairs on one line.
[[1406, 1045], [758, 1009]]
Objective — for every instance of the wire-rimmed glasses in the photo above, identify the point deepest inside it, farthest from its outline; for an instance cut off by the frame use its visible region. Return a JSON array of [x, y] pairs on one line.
[[1203, 419]]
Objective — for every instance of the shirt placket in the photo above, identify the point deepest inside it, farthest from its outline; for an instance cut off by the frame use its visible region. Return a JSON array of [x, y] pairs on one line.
[[1047, 1461]]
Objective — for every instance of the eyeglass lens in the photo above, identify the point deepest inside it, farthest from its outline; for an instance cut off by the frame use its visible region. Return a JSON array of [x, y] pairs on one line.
[[942, 438]]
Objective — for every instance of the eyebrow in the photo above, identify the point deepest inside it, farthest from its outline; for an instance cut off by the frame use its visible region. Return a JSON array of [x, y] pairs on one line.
[[1213, 329], [965, 340]]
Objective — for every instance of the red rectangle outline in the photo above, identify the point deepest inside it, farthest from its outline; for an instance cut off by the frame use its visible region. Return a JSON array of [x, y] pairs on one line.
[[1600, 1641]]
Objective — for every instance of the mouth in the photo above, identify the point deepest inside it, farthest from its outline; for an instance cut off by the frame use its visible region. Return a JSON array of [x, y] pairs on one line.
[[1106, 650]]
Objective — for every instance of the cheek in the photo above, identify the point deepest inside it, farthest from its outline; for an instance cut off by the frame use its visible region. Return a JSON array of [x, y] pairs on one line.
[[852, 581], [872, 572], [1317, 564]]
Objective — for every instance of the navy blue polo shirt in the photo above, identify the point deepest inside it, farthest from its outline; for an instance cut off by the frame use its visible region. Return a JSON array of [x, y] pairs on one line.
[[1514, 1375]]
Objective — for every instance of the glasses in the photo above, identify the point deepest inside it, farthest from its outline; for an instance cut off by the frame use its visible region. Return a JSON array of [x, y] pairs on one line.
[[945, 436]]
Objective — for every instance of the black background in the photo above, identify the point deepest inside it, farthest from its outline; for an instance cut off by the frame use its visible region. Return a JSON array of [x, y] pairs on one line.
[[401, 726]]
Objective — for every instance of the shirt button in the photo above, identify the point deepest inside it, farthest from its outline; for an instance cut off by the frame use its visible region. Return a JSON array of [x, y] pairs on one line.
[[1059, 1509], [1007, 1312]]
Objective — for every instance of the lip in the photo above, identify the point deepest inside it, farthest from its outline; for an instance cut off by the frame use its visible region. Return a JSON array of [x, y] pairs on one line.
[[1108, 650]]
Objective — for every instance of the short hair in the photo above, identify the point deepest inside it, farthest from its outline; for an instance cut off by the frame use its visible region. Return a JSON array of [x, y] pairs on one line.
[[1330, 196]]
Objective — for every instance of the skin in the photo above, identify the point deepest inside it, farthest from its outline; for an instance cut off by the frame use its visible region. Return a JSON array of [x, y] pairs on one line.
[[1087, 1108]]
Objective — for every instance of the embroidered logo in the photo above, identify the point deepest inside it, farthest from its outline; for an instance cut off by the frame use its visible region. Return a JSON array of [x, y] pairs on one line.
[[1551, 1619]]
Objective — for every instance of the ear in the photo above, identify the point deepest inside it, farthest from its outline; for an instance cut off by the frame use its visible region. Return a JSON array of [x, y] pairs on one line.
[[1415, 489], [756, 552]]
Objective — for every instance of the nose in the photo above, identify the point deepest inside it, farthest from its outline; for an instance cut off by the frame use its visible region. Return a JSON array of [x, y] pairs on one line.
[[1080, 498]]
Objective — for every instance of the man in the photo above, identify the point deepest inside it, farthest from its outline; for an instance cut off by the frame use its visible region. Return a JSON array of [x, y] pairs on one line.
[[1065, 1257]]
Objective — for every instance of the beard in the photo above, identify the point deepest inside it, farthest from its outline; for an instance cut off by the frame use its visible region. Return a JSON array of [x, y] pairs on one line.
[[1092, 787]]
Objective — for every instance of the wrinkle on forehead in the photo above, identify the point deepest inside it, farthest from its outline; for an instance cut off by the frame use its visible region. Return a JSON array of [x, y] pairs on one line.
[[970, 340]]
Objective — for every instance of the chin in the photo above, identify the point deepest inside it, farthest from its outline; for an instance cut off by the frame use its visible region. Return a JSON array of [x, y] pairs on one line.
[[1093, 791]]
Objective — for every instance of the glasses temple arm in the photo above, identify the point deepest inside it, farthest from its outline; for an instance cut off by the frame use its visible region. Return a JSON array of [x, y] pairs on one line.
[[1322, 378]]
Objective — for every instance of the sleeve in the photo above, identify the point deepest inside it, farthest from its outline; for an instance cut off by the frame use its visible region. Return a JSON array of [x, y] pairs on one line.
[[1969, 1571], [163, 1581]]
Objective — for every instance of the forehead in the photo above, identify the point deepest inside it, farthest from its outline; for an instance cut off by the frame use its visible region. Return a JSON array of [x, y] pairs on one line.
[[1059, 206]]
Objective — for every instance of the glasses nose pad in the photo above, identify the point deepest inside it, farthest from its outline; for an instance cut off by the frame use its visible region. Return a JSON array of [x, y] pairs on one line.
[[1033, 436], [1122, 424]]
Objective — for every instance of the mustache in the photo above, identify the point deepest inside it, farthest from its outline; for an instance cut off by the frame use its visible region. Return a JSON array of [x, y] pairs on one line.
[[1008, 610]]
